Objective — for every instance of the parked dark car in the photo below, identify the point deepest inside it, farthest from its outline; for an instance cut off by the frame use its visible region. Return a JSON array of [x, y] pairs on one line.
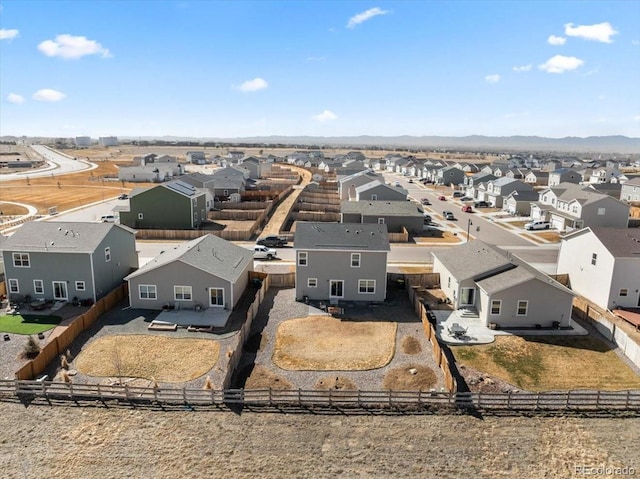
[[272, 241], [481, 204], [466, 198], [448, 215], [442, 198], [123, 196]]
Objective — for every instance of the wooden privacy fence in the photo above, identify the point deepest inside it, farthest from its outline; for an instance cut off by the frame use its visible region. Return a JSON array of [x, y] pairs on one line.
[[401, 237], [59, 344], [169, 235], [247, 205], [238, 215], [315, 216], [305, 205], [563, 401]]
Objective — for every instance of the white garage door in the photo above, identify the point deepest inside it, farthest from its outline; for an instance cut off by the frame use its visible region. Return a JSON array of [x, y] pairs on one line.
[[557, 223]]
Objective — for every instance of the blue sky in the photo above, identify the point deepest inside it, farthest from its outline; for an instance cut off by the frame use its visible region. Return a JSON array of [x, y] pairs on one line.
[[325, 68]]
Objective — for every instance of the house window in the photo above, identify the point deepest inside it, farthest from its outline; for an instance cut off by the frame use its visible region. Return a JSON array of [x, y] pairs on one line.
[[216, 297], [601, 211], [80, 286], [302, 258], [140, 216], [38, 286], [147, 291], [624, 292], [367, 286], [355, 260], [574, 209], [182, 293], [21, 260], [225, 192], [380, 221], [13, 286], [312, 282], [107, 254], [523, 306], [374, 197], [449, 282], [594, 258], [496, 304]]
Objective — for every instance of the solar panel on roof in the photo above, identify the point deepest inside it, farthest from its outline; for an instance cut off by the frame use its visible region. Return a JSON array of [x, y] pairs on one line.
[[181, 187]]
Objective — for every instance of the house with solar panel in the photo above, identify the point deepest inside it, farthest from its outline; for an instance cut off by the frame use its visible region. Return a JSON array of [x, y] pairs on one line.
[[174, 205]]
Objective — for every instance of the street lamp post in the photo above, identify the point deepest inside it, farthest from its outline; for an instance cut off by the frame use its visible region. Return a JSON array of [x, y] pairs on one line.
[[469, 223]]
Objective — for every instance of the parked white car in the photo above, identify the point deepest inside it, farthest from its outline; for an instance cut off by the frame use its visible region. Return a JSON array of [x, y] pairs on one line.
[[537, 225], [262, 252]]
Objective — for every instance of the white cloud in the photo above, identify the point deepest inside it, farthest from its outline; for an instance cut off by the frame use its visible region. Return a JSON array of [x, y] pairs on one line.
[[15, 98], [8, 34], [47, 94], [561, 64], [326, 115], [364, 16], [253, 85], [522, 68], [72, 47], [553, 40], [492, 78], [600, 32], [636, 118]]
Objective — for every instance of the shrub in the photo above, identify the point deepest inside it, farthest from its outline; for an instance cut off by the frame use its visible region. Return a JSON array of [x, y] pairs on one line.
[[32, 348]]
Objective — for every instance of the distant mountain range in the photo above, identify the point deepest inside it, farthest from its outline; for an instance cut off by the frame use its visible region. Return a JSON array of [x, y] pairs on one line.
[[594, 144]]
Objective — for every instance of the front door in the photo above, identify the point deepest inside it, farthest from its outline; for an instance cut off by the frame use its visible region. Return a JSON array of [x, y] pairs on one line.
[[467, 296], [60, 290], [216, 297], [336, 288]]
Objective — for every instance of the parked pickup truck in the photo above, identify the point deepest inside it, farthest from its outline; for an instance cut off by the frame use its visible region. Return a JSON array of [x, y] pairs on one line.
[[262, 252], [537, 225], [272, 241]]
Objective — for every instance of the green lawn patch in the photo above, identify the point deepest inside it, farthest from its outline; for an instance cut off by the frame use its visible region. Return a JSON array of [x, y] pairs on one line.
[[544, 363], [28, 323]]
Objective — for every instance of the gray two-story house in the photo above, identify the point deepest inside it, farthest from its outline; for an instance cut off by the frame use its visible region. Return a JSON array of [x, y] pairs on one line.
[[379, 191], [499, 188], [395, 214], [63, 260], [341, 262]]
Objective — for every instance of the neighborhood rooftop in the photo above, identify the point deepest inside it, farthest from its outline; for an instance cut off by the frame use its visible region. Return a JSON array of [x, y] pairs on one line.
[[336, 236], [208, 253], [381, 208], [621, 242], [58, 237]]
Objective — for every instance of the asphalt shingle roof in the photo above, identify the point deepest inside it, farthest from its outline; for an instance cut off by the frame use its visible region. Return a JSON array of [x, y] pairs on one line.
[[381, 208], [59, 236], [621, 242], [341, 236], [208, 253]]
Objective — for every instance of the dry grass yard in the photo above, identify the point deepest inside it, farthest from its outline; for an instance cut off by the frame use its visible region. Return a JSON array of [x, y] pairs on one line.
[[335, 383], [12, 210], [263, 378], [552, 236], [439, 237], [149, 357], [412, 377], [323, 343], [410, 345], [547, 363]]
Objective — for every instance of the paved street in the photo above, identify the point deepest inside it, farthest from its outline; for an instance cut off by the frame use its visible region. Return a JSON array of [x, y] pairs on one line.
[[57, 164]]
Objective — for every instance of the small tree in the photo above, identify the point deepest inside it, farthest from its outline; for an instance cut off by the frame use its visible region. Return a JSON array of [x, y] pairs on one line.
[[32, 348]]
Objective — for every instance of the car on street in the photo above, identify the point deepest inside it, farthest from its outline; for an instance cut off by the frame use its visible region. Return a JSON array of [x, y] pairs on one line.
[[425, 201], [427, 219], [397, 183], [457, 194], [410, 181], [123, 196], [262, 252], [537, 225], [272, 241], [467, 209], [442, 198], [448, 215], [108, 219], [481, 204], [466, 198]]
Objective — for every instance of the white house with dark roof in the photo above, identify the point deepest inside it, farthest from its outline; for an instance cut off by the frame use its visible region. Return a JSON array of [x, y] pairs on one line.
[[379, 191], [500, 187], [603, 265], [207, 272], [65, 260], [502, 288], [338, 262], [630, 191]]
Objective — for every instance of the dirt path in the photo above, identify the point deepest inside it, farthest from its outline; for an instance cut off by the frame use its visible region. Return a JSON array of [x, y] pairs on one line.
[[71, 442], [279, 216]]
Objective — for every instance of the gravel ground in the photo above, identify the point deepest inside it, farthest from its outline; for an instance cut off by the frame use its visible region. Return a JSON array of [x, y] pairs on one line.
[[72, 442], [280, 305]]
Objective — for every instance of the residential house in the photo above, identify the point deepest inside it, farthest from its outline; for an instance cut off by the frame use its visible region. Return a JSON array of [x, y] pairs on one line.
[[450, 175], [564, 175], [499, 188], [63, 261], [341, 261], [472, 182], [196, 157], [503, 289], [204, 182], [519, 202], [379, 191], [604, 175], [347, 185], [537, 178], [253, 166], [151, 171], [208, 272], [630, 191], [235, 156], [603, 265], [174, 205], [569, 206], [395, 214]]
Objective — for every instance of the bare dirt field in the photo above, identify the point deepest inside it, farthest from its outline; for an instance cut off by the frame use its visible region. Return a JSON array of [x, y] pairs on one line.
[[323, 343], [72, 442]]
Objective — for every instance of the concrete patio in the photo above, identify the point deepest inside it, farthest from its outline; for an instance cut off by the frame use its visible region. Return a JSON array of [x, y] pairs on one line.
[[215, 317], [478, 333]]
